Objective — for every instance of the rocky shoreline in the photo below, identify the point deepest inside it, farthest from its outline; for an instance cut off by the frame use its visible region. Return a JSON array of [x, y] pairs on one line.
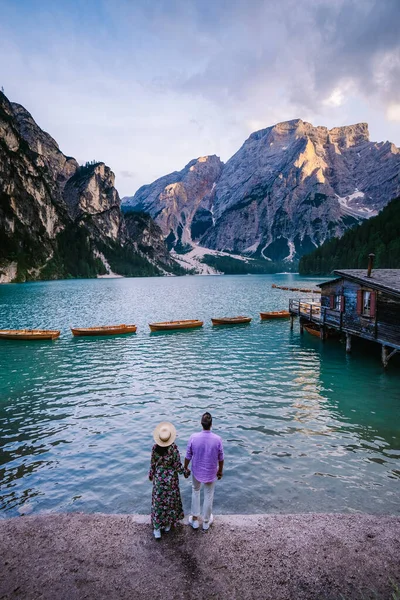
[[310, 556]]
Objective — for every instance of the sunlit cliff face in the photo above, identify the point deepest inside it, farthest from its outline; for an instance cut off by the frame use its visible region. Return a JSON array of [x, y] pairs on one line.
[[287, 189]]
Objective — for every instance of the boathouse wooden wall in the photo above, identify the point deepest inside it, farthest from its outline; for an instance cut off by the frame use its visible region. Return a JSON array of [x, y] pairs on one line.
[[388, 318], [383, 327]]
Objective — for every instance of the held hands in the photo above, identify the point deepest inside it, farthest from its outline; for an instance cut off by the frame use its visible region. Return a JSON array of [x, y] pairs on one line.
[[187, 473], [219, 474]]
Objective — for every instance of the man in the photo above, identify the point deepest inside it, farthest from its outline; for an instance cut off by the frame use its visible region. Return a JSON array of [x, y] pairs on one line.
[[206, 452]]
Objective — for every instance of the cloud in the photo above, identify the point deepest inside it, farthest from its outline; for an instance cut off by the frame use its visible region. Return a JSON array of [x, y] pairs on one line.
[[335, 99], [393, 112], [147, 86], [361, 44], [308, 50]]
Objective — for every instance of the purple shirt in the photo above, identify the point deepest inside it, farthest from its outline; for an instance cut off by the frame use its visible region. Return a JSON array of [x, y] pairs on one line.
[[205, 449]]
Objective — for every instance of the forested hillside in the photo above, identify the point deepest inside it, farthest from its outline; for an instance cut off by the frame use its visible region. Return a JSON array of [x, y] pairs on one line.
[[380, 235]]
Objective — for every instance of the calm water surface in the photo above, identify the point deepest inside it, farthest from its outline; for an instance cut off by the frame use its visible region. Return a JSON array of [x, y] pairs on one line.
[[305, 427]]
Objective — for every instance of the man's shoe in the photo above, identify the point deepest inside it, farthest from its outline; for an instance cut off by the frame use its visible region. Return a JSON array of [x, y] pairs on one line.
[[157, 534], [206, 524], [193, 522]]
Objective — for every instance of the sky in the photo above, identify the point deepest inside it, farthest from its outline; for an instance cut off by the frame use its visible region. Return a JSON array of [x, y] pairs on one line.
[[148, 85]]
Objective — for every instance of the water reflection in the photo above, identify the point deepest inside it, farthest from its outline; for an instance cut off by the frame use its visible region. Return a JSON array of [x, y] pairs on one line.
[[305, 427]]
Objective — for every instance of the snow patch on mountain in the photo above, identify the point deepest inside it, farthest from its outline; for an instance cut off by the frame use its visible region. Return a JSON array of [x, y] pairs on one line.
[[292, 251], [352, 205], [192, 260]]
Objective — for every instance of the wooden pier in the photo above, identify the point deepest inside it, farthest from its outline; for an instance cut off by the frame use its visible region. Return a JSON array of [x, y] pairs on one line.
[[360, 303], [295, 289]]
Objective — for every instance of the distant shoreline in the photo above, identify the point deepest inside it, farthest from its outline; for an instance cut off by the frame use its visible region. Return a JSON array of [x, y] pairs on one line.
[[116, 276]]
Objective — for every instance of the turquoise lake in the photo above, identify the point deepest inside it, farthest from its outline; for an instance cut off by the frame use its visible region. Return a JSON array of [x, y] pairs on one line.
[[306, 428]]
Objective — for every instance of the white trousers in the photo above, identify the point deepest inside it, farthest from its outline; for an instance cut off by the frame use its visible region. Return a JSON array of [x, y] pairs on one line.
[[208, 498]]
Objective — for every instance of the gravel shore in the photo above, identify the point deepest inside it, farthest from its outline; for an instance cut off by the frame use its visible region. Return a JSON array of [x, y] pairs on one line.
[[311, 556]]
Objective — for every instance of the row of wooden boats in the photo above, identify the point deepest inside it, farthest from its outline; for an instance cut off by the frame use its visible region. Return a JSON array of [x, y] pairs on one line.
[[239, 320], [53, 334], [295, 289], [122, 329]]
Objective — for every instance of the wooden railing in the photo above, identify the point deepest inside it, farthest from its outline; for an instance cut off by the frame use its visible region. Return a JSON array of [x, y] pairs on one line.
[[311, 310], [307, 308]]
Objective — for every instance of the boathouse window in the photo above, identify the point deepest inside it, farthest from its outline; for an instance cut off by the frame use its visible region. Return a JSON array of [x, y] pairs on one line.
[[337, 302], [366, 303]]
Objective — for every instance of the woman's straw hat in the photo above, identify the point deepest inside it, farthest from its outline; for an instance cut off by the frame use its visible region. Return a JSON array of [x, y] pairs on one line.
[[164, 434]]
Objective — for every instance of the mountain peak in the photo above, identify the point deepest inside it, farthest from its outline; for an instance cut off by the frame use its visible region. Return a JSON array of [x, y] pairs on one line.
[[345, 136], [349, 135], [287, 189], [209, 159], [175, 198]]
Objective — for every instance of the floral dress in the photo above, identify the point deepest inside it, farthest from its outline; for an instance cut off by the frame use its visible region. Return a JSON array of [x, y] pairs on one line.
[[166, 503]]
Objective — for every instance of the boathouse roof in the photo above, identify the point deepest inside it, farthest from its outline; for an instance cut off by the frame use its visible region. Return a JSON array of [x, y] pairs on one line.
[[387, 280]]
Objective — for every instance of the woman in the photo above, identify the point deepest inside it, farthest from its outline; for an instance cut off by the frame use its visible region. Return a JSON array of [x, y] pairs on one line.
[[166, 504]]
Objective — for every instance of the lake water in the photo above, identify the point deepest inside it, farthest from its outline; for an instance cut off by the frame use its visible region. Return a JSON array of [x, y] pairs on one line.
[[305, 426]]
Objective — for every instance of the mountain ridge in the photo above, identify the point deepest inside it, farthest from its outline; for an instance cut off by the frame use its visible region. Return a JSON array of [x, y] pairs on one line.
[[286, 190], [166, 199], [59, 219]]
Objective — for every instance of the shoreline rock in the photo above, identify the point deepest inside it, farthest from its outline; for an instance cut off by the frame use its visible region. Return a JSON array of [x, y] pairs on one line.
[[278, 557]]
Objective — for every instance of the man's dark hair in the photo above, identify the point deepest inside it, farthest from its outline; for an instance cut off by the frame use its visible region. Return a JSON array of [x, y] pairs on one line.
[[206, 420]]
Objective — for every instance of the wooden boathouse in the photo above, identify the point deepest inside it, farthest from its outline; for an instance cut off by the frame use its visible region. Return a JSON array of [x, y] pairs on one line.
[[360, 303]]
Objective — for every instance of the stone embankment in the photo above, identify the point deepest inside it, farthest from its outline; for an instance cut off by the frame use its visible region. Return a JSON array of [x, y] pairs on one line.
[[277, 557]]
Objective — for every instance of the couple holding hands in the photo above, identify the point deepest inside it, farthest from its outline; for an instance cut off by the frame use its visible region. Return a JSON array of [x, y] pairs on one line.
[[206, 453]]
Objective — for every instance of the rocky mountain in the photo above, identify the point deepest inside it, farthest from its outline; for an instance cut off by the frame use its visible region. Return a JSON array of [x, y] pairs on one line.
[[148, 237], [181, 202], [289, 188], [61, 167], [59, 219]]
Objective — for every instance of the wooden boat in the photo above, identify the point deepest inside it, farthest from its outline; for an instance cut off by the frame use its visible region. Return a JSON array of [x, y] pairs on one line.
[[328, 333], [103, 330], [171, 325], [312, 331], [276, 314], [231, 320], [29, 334]]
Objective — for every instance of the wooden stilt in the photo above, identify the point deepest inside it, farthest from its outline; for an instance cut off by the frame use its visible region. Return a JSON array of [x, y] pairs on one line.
[[291, 322], [387, 355], [322, 333], [301, 328], [348, 342]]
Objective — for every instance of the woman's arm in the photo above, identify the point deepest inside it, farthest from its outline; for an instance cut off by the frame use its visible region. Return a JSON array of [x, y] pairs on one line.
[[152, 464], [178, 464]]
